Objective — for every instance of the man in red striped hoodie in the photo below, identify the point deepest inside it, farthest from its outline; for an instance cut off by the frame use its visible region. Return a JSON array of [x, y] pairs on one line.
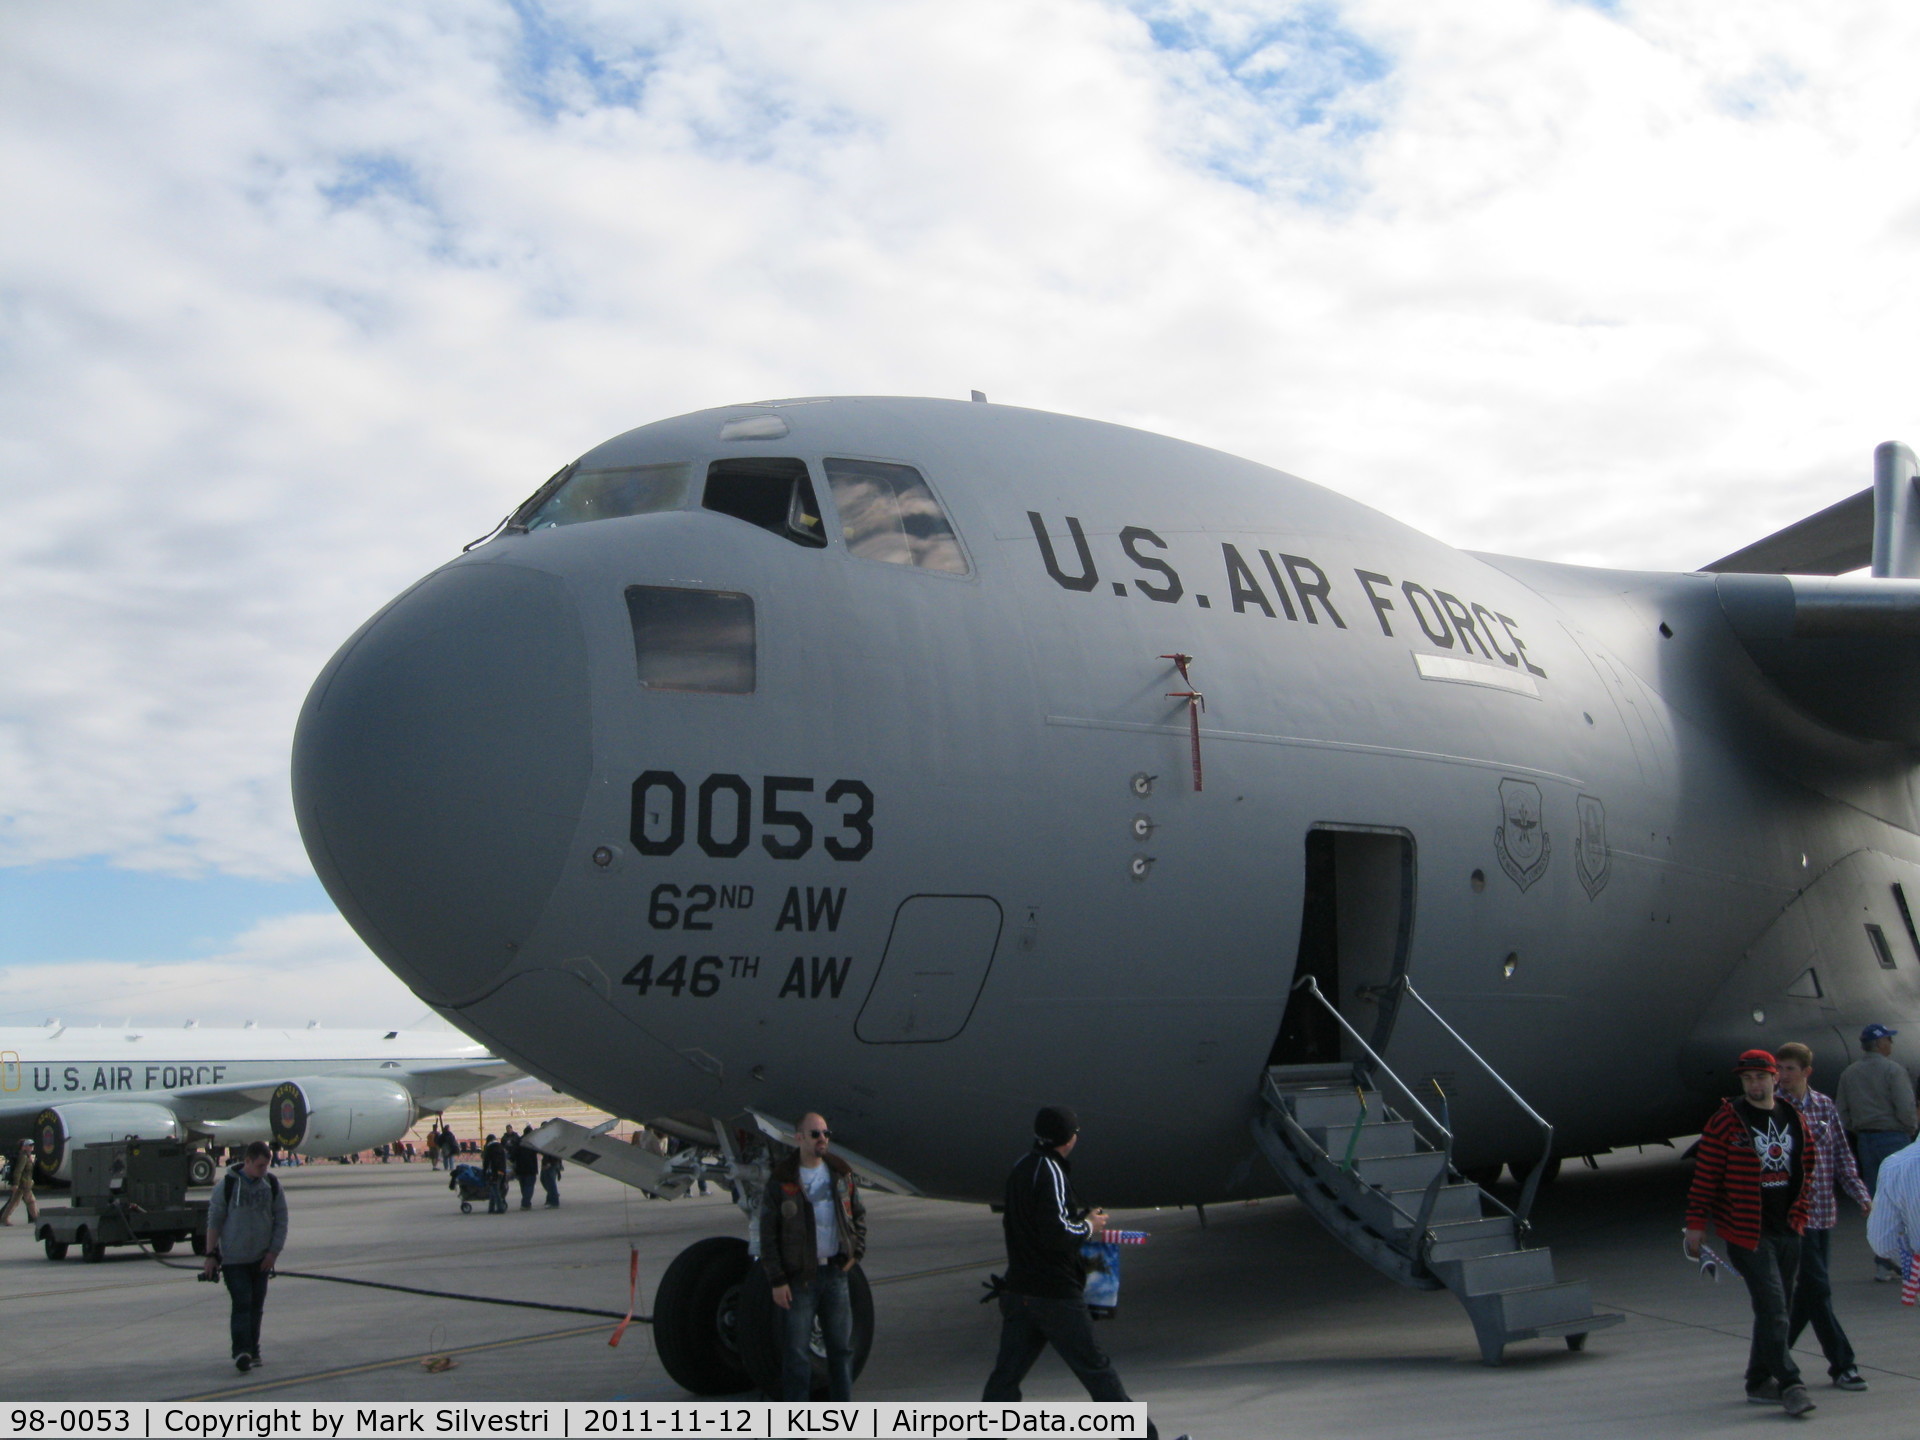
[[1750, 1183]]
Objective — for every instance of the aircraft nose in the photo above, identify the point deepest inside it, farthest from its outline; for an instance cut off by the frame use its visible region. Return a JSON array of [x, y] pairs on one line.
[[439, 767]]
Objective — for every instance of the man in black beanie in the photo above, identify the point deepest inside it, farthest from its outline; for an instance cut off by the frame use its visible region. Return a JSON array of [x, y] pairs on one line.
[[1042, 1298]]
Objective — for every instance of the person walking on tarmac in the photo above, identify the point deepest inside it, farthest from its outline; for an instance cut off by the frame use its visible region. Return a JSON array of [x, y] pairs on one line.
[[22, 1193], [551, 1167], [1830, 1166], [246, 1231], [1750, 1182], [493, 1167], [1875, 1098], [813, 1230], [1042, 1297], [526, 1169]]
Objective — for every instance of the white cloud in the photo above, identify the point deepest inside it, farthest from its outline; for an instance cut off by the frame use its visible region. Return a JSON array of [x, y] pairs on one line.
[[284, 971], [294, 300]]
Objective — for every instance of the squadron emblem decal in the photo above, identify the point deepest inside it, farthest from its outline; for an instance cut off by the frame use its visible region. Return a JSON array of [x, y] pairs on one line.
[[1592, 860], [1522, 845]]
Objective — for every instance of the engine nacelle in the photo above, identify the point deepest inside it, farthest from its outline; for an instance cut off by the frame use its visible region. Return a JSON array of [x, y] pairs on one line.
[[323, 1116], [59, 1130]]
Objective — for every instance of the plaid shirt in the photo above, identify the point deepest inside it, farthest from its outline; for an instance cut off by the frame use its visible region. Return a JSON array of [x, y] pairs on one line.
[[1831, 1153]]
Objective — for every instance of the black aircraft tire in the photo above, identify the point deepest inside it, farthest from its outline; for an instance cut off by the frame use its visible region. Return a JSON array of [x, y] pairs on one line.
[[695, 1317], [56, 1249], [760, 1333], [161, 1244]]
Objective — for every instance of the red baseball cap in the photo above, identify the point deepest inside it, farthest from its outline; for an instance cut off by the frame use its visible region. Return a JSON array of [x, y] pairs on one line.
[[1756, 1060]]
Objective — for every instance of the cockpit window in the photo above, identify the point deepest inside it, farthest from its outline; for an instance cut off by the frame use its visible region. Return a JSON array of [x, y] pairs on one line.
[[692, 639], [775, 494], [888, 513], [603, 494]]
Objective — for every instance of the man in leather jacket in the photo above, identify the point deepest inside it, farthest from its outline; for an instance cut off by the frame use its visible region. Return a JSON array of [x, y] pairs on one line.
[[813, 1230]]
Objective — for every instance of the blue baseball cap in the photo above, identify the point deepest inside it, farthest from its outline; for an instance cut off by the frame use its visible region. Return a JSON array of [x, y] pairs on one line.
[[1876, 1032]]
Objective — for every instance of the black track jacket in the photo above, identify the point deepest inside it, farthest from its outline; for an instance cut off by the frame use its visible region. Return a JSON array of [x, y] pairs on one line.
[[1046, 1225]]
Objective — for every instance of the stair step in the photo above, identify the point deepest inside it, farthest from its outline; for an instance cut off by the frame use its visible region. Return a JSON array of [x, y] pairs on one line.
[[1503, 1271], [1376, 1137], [1336, 1074], [1541, 1306], [1323, 1106], [1452, 1203], [1400, 1172], [1492, 1235]]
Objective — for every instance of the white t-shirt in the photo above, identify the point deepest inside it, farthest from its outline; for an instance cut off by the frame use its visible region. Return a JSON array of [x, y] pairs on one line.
[[817, 1181]]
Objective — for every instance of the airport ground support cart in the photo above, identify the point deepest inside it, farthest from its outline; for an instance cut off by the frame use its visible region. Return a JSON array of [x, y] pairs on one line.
[[130, 1192]]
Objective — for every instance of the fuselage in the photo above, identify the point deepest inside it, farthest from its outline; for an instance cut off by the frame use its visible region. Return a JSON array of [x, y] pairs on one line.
[[911, 836], [54, 1063]]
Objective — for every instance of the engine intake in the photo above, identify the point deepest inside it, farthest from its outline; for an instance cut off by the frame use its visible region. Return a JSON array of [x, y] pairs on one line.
[[336, 1117], [59, 1130]]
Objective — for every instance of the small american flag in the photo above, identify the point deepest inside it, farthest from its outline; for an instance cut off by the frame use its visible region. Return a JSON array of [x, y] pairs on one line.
[[1122, 1237], [1910, 1279]]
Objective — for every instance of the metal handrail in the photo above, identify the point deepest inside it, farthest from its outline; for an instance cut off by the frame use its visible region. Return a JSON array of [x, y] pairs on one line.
[[1423, 1222], [1531, 1187], [1312, 987]]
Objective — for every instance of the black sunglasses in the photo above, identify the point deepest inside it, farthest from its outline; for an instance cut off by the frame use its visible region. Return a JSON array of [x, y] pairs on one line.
[[821, 1134]]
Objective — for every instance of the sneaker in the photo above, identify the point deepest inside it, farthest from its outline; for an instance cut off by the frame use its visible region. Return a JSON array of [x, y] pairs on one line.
[[1798, 1402], [257, 1361], [243, 1363], [1767, 1392], [1849, 1380], [1884, 1273]]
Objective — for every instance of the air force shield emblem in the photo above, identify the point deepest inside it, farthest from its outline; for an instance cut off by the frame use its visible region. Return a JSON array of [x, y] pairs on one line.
[[1524, 847], [1592, 861]]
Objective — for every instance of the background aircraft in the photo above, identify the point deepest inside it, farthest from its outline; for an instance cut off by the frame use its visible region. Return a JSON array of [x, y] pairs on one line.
[[921, 762], [315, 1092]]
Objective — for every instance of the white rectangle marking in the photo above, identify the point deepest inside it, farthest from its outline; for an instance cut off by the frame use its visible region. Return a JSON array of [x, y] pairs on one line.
[[1472, 672]]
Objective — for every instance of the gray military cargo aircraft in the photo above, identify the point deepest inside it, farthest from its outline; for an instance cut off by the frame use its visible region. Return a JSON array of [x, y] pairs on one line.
[[921, 762]]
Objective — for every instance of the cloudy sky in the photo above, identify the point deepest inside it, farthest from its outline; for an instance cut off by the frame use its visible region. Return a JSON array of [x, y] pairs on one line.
[[296, 299]]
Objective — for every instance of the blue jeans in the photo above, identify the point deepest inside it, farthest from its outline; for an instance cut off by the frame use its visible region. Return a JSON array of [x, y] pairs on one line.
[[526, 1190], [824, 1296], [1876, 1146], [496, 1194], [550, 1182], [248, 1287], [1813, 1304]]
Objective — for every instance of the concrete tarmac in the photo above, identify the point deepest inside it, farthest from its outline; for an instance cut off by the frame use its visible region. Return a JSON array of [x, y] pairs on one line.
[[1256, 1324]]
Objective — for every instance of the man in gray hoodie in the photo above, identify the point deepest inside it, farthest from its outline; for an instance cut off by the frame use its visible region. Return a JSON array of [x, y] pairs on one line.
[[246, 1230]]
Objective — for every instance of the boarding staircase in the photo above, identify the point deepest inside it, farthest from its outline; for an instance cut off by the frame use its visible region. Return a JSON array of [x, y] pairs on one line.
[[1382, 1180]]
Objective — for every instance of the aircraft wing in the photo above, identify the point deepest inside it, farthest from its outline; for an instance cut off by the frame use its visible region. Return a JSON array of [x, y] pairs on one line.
[[1847, 651], [1832, 542]]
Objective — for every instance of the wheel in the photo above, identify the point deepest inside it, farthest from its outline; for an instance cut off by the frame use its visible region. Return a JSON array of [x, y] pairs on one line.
[[200, 1168], [695, 1317], [1485, 1176], [1577, 1342], [761, 1333], [90, 1252], [198, 1242], [466, 1207], [56, 1249], [161, 1244]]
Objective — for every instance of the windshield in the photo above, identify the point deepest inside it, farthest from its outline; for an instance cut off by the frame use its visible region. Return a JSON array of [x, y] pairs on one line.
[[613, 491]]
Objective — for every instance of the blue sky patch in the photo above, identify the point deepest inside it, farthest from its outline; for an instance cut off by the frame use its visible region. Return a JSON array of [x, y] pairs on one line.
[[1285, 97], [96, 911]]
